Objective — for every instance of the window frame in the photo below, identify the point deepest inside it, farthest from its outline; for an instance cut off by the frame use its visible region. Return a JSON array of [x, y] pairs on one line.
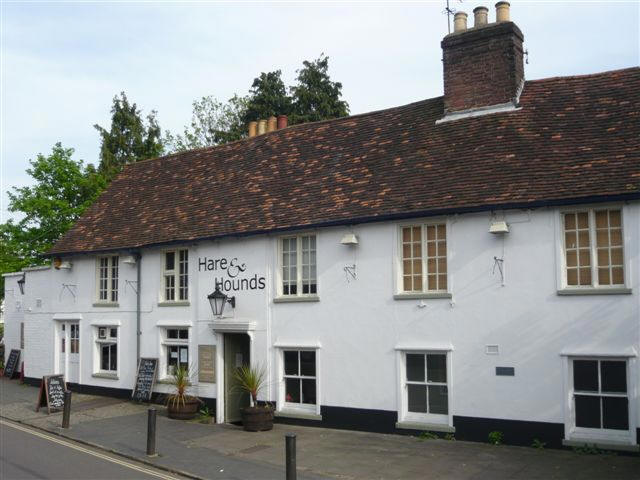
[[100, 342], [113, 295], [426, 419], [166, 343], [176, 275], [285, 407], [400, 293], [595, 286], [299, 280], [603, 435]]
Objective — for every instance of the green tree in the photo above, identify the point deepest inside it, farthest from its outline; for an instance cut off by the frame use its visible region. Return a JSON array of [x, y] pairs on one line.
[[129, 139], [267, 96], [316, 96], [63, 189], [212, 123]]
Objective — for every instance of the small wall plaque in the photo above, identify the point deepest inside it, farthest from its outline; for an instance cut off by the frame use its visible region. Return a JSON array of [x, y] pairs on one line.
[[206, 363], [505, 371]]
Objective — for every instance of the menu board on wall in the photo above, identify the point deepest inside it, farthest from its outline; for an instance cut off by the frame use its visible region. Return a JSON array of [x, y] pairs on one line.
[[206, 363], [11, 368]]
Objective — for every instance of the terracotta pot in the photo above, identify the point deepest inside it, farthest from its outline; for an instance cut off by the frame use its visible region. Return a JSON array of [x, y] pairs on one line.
[[186, 411], [257, 419]]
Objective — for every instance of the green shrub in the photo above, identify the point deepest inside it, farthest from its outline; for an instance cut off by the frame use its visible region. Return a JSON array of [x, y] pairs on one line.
[[496, 437]]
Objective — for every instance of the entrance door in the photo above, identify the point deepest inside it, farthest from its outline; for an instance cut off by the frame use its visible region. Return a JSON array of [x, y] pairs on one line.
[[236, 354], [69, 344]]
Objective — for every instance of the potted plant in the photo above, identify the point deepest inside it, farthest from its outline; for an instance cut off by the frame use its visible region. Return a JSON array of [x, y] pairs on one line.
[[180, 405], [256, 417]]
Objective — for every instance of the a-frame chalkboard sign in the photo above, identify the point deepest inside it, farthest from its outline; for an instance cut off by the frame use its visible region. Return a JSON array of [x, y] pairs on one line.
[[11, 368], [145, 379], [51, 394]]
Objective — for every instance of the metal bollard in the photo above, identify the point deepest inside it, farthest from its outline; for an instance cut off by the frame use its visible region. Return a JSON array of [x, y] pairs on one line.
[[66, 411], [290, 442], [151, 432]]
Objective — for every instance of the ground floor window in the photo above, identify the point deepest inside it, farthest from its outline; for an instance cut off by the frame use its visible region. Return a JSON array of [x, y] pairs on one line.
[[176, 349], [107, 346], [299, 380], [425, 387], [600, 394]]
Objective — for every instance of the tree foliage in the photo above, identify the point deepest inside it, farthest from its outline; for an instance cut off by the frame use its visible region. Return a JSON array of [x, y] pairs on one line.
[[212, 123], [62, 190], [315, 96], [129, 139]]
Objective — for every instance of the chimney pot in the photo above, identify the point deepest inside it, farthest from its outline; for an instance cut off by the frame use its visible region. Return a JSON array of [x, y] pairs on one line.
[[271, 124], [480, 16], [262, 127], [459, 22], [253, 129], [282, 121], [502, 11]]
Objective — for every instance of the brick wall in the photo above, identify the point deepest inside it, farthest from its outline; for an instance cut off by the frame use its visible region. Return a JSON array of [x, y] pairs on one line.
[[482, 66]]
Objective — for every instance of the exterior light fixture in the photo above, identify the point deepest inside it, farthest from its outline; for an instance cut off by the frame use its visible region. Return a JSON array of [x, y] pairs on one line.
[[218, 300], [349, 239], [498, 227], [21, 284]]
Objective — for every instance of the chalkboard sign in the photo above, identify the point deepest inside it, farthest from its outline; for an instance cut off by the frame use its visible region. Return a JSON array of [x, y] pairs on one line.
[[51, 394], [10, 368], [145, 378]]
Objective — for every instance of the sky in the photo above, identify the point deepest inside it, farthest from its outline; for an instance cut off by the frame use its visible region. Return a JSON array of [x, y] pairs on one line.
[[63, 62]]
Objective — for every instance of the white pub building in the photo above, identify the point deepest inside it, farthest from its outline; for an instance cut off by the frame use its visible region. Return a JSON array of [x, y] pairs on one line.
[[462, 264]]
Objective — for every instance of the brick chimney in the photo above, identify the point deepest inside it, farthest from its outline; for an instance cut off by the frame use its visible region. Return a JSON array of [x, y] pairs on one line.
[[483, 65]]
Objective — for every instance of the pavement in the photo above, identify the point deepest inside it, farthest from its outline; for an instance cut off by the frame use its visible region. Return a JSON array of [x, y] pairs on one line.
[[227, 452]]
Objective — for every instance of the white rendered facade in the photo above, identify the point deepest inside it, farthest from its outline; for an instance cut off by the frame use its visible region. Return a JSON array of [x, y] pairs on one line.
[[505, 304]]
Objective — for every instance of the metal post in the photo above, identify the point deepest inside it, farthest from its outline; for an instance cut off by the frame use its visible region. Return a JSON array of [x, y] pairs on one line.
[[290, 442], [151, 432], [66, 412]]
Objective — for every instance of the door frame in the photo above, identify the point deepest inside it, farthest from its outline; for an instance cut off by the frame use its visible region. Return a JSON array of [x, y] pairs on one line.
[[66, 319], [220, 378]]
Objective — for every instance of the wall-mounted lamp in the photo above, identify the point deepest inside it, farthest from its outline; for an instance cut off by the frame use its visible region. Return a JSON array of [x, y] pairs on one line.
[[349, 239], [498, 227], [21, 283], [60, 264], [218, 300], [129, 259]]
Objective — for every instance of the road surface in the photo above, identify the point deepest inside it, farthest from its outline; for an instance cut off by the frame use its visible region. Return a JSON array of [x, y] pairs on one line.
[[27, 453]]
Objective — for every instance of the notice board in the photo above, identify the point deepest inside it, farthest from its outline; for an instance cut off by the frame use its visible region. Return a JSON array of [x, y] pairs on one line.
[[207, 363], [51, 394], [145, 379], [10, 369]]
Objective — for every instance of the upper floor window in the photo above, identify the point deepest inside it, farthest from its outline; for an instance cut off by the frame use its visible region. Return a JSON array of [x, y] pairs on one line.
[[593, 249], [424, 258], [298, 266], [175, 275], [108, 279]]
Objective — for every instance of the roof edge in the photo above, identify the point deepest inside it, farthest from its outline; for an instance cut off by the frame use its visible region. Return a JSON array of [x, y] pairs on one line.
[[370, 219]]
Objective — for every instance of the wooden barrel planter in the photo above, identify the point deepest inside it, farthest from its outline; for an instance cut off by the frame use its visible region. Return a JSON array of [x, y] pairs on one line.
[[257, 419], [183, 411]]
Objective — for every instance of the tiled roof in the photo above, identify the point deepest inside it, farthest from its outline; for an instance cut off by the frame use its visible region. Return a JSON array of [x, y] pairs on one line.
[[574, 139]]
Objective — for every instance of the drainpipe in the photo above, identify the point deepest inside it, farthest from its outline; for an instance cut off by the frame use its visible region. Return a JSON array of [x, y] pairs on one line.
[[138, 294]]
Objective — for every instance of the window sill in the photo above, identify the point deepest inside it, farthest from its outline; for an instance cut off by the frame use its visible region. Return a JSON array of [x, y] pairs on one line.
[[181, 303], [106, 304], [431, 427], [292, 299], [421, 296], [110, 376], [296, 414], [626, 447], [169, 381], [595, 291]]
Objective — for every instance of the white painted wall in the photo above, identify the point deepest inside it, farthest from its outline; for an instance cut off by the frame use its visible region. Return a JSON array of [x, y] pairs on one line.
[[359, 324]]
